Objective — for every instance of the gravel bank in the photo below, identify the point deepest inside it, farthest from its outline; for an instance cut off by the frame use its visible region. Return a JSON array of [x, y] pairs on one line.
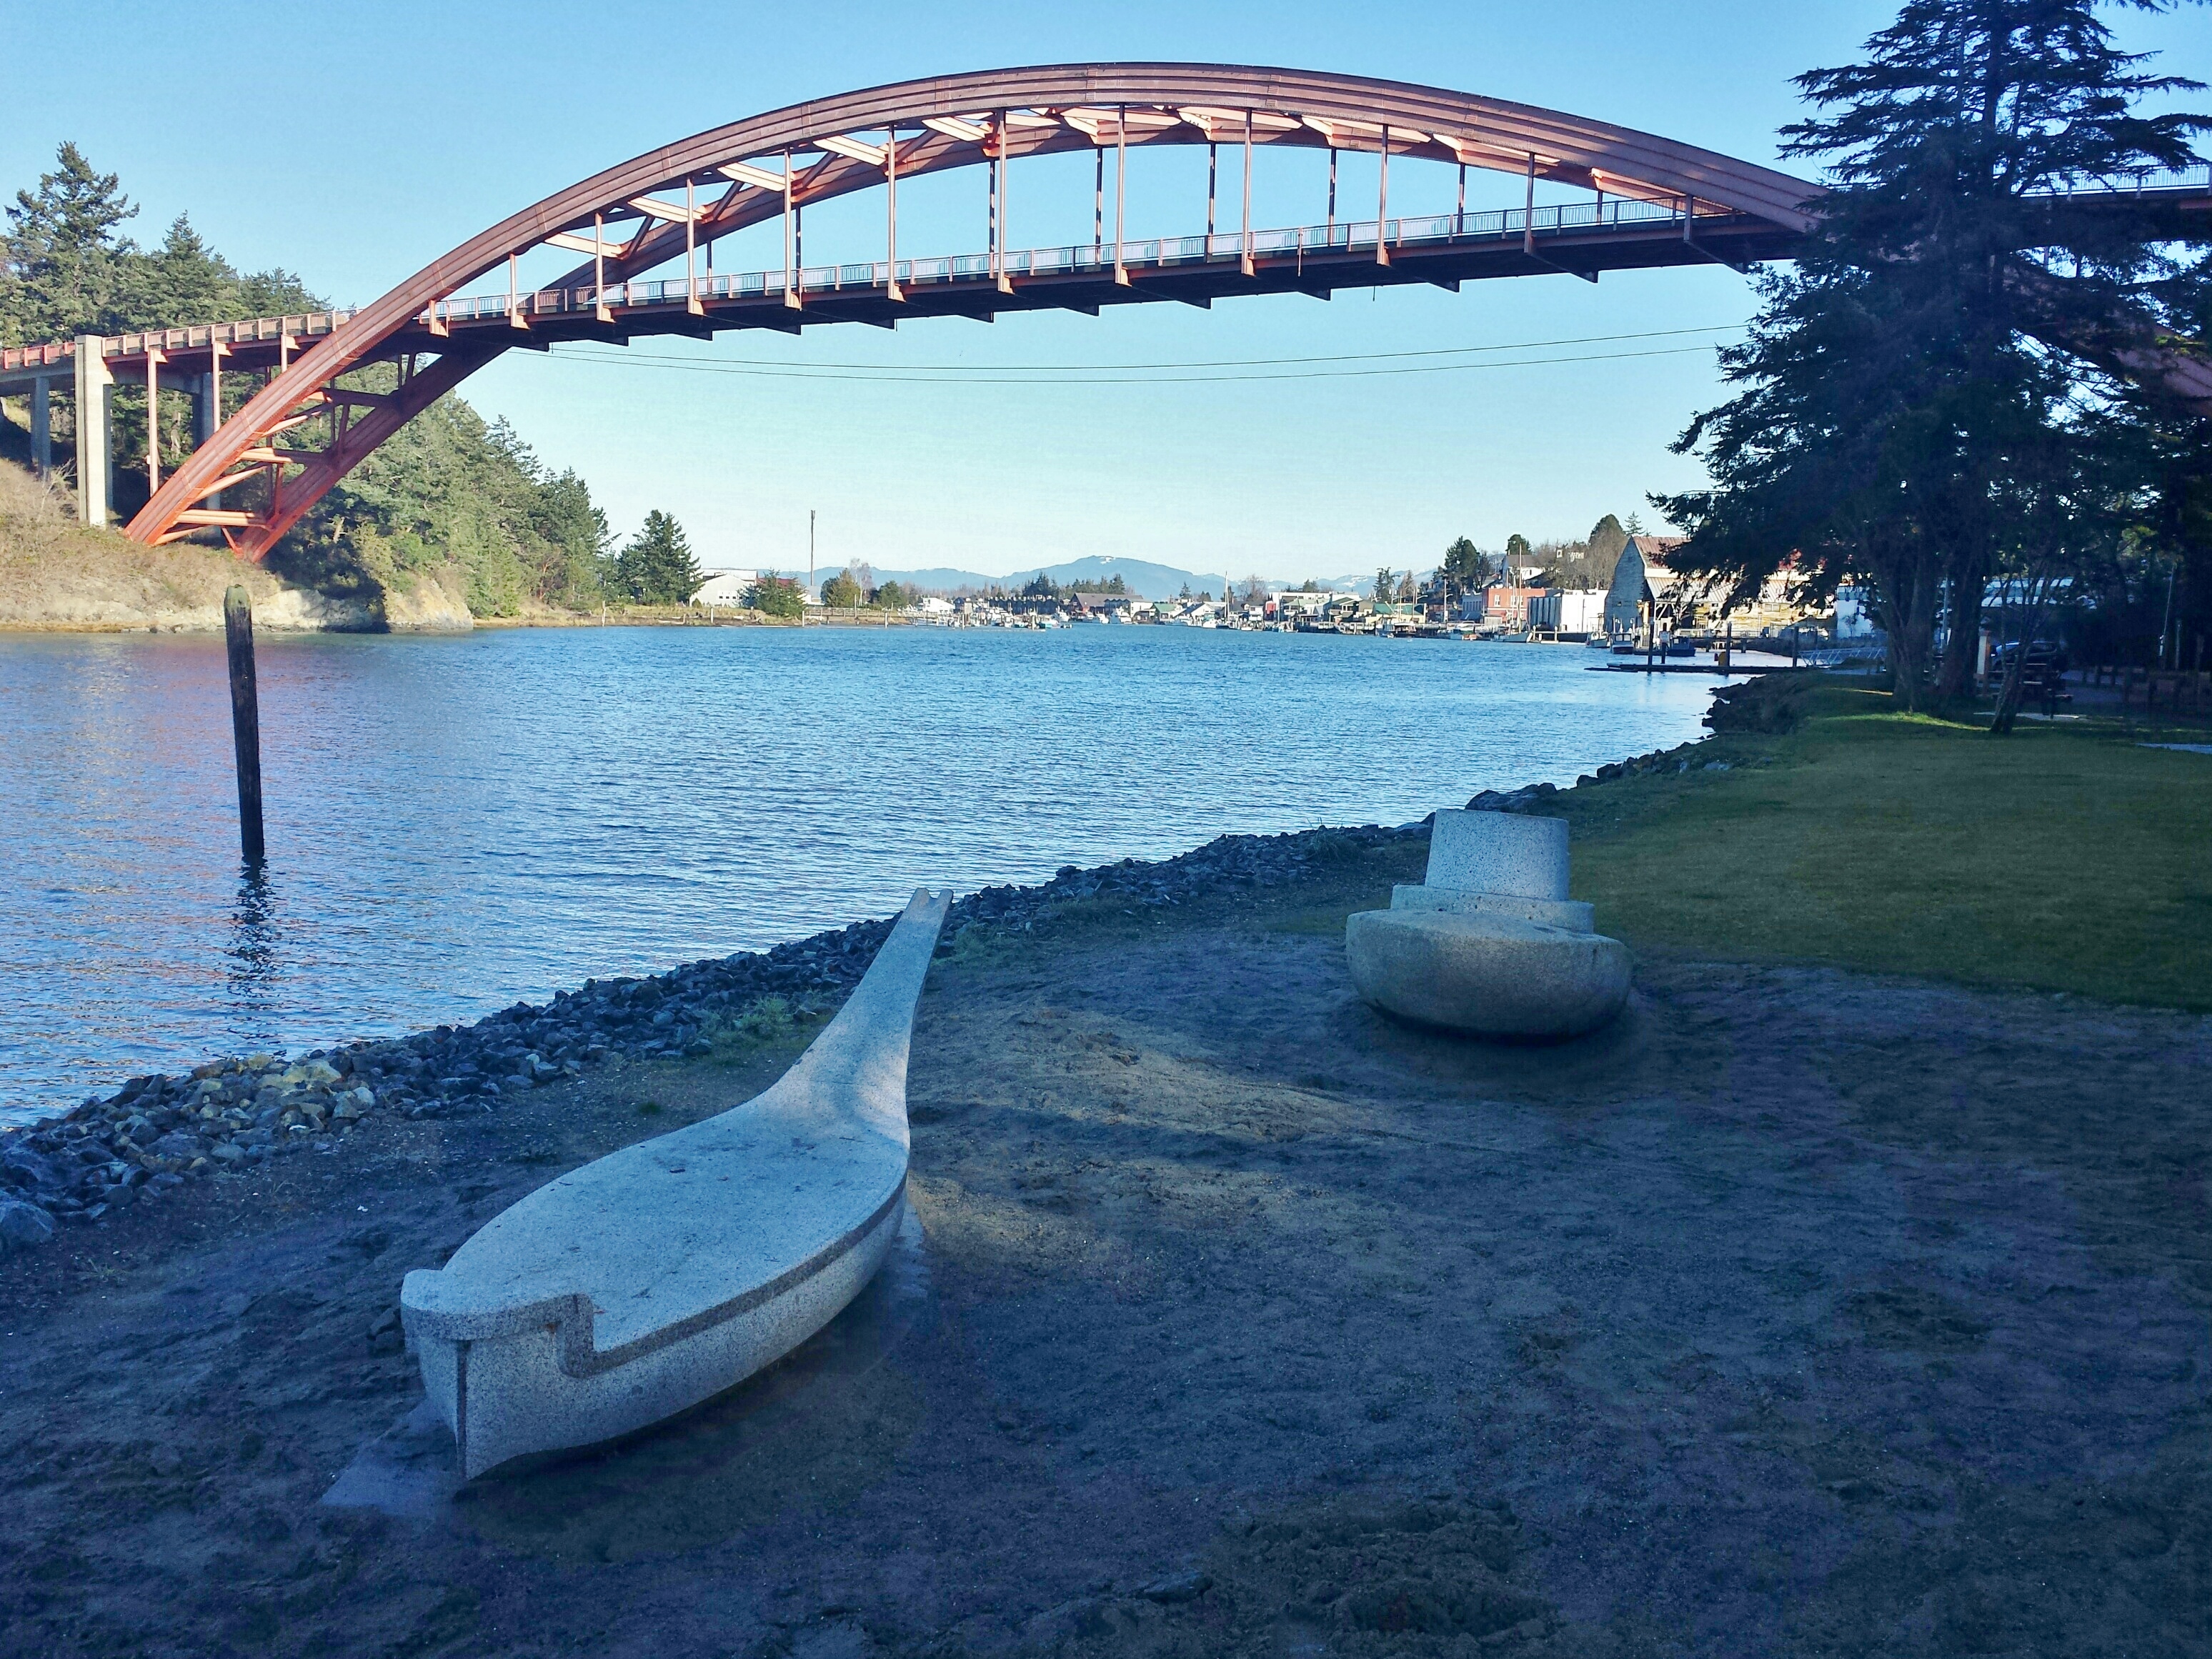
[[1800, 1313], [159, 1132]]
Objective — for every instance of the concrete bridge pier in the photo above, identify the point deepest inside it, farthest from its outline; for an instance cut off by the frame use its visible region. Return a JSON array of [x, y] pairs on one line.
[[42, 431], [207, 415], [95, 395]]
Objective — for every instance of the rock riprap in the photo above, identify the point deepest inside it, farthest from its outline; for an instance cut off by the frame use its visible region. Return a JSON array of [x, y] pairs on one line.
[[158, 1133], [1489, 943], [643, 1283]]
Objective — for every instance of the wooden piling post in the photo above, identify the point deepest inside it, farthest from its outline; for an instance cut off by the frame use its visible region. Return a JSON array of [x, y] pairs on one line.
[[244, 720]]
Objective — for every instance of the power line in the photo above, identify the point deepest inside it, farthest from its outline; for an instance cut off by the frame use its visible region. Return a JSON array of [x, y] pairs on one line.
[[680, 366], [1211, 362]]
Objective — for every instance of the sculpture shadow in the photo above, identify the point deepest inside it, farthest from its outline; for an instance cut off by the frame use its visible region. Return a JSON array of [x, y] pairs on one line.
[[1636, 1051], [808, 1434]]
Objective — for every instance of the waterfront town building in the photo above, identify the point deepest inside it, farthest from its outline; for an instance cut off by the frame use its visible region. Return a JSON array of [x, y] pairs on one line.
[[1640, 578], [1507, 606], [725, 586], [1571, 612]]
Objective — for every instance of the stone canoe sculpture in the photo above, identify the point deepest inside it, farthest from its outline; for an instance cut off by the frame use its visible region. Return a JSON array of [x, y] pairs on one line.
[[1489, 943], [642, 1284]]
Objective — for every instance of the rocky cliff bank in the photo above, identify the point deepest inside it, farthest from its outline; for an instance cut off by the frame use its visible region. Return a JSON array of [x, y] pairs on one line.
[[56, 574]]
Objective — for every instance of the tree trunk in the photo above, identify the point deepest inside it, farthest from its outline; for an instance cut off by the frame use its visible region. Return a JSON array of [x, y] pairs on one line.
[[2007, 710], [2009, 695], [1906, 580], [1956, 679]]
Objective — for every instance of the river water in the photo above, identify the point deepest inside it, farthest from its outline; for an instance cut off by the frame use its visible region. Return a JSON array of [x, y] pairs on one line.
[[455, 822]]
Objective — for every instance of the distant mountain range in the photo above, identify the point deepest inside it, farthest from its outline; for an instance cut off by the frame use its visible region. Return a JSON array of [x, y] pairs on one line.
[[1144, 578]]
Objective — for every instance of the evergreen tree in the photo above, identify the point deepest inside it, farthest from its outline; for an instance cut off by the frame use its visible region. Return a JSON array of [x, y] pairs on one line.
[[574, 528], [446, 494], [1899, 411], [844, 591], [65, 252], [2171, 442], [183, 280], [1608, 537], [657, 567], [776, 596], [1386, 583], [1464, 568], [1588, 563]]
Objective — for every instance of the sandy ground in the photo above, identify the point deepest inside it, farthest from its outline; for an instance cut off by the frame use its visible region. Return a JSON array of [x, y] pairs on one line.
[[1801, 1313]]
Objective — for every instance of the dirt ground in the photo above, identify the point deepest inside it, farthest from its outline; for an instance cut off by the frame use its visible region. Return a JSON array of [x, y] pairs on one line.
[[1801, 1313]]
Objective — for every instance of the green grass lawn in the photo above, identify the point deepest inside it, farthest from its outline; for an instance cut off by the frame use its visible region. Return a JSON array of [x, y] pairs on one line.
[[2065, 858]]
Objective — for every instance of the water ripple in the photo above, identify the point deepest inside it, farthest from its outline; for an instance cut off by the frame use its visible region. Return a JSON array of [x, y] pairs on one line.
[[456, 823]]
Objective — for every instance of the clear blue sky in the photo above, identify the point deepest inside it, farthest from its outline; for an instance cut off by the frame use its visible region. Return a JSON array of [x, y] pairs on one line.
[[355, 143]]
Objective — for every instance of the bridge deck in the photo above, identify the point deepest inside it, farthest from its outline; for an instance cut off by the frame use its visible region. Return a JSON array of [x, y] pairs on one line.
[[1194, 270], [1584, 239]]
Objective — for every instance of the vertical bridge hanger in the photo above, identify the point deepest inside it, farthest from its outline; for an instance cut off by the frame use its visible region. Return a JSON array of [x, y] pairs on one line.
[[781, 160]]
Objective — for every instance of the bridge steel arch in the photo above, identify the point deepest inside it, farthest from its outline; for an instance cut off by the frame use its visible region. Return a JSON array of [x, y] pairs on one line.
[[767, 166], [950, 121]]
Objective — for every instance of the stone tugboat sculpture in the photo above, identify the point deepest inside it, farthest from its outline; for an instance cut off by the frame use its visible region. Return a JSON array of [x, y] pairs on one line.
[[1489, 943], [634, 1288]]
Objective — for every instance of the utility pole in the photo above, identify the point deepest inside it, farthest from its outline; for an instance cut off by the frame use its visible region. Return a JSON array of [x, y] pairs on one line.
[[810, 549]]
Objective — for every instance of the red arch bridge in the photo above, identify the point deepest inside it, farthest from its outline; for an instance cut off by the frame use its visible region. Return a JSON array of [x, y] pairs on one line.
[[1651, 201]]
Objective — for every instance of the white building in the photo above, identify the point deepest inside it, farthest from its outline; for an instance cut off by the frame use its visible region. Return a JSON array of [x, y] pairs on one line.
[[1568, 610], [724, 587], [1854, 613]]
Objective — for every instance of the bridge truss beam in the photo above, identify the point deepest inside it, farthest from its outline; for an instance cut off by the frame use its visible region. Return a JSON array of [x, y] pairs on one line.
[[675, 202]]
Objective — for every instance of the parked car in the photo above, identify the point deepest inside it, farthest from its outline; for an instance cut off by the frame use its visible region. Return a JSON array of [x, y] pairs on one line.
[[2042, 675]]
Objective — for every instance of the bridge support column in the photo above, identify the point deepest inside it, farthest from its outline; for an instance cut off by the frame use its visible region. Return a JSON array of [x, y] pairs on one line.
[[42, 431], [207, 415], [154, 362], [207, 407], [95, 393]]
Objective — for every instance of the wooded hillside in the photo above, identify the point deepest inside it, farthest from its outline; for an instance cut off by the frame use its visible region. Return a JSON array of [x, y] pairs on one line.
[[450, 496]]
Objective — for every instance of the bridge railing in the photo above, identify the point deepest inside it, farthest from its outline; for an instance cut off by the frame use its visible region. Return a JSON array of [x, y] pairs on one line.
[[1148, 253], [199, 336], [2143, 183]]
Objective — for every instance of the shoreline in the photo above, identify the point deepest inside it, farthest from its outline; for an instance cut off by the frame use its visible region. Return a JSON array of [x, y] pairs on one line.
[[233, 1113], [1232, 1316], [230, 1115], [167, 626]]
